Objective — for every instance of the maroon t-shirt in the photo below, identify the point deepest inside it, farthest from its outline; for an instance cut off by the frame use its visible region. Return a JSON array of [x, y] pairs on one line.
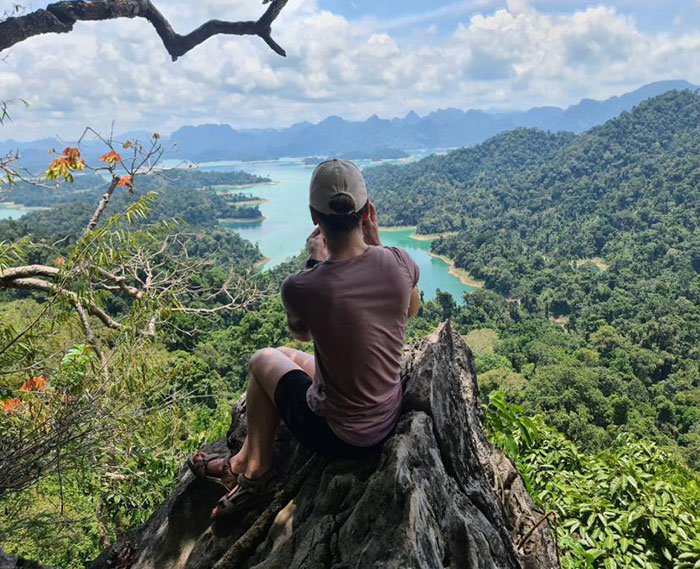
[[356, 312]]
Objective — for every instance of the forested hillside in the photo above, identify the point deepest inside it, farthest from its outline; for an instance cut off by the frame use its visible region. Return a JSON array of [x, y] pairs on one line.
[[592, 244]]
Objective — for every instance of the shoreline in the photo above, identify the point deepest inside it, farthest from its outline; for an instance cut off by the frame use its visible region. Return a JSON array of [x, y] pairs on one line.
[[250, 202], [242, 219], [394, 228], [431, 236], [461, 274], [417, 236], [13, 205], [235, 186], [262, 262], [240, 186]]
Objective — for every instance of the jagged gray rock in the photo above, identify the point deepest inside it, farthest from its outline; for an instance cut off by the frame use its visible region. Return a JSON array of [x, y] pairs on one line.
[[438, 496], [12, 562]]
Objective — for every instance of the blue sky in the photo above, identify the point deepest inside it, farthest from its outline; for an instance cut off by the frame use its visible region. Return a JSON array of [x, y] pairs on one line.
[[352, 58], [652, 15]]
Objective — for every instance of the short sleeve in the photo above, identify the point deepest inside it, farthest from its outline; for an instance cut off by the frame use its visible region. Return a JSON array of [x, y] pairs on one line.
[[290, 300], [408, 263]]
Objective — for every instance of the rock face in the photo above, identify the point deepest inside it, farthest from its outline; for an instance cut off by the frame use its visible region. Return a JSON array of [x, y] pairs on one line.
[[11, 562], [437, 496]]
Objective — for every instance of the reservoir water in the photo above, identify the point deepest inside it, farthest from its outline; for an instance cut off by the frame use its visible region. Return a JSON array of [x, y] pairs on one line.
[[282, 234], [11, 212]]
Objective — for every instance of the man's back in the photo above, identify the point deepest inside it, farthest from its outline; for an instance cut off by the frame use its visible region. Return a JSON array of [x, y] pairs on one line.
[[356, 310]]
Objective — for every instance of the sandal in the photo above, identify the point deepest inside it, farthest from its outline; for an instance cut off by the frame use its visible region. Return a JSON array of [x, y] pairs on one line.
[[200, 469], [247, 495]]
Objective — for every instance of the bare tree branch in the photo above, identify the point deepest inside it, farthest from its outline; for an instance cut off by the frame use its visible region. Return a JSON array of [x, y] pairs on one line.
[[28, 271], [43, 286], [102, 205], [162, 274], [90, 335], [60, 17]]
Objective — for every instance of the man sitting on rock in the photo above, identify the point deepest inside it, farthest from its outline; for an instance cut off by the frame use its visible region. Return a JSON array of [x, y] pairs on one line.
[[353, 300]]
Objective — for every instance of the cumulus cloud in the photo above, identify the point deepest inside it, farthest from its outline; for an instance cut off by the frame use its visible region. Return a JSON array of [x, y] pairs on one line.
[[514, 56]]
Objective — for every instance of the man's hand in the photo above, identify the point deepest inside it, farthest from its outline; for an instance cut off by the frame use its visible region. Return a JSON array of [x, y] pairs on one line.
[[316, 245], [370, 227], [414, 303]]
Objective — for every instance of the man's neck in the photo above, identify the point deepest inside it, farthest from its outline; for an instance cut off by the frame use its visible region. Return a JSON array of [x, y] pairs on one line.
[[346, 246]]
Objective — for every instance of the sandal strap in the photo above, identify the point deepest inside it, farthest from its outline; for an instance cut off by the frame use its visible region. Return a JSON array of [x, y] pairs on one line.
[[200, 466], [258, 485], [248, 490]]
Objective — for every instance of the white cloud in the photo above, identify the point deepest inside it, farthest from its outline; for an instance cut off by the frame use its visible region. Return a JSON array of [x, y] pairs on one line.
[[512, 57]]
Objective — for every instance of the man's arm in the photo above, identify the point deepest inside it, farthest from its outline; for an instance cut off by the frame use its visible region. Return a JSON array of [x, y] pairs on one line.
[[370, 230], [414, 304], [316, 246], [298, 330]]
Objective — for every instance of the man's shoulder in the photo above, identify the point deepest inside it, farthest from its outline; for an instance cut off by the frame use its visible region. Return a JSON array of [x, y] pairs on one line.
[[404, 260], [398, 253], [299, 279], [289, 285]]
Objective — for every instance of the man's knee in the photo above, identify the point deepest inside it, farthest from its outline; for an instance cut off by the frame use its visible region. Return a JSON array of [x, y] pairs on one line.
[[261, 357], [285, 351]]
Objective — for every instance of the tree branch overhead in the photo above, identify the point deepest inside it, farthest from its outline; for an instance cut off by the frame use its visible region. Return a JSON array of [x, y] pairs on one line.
[[60, 17]]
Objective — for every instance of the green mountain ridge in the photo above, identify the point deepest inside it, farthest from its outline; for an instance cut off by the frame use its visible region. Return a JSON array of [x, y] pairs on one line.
[[600, 232]]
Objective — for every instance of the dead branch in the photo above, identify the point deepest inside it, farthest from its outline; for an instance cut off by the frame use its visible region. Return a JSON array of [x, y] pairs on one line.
[[161, 275], [27, 271], [60, 17], [26, 459], [90, 335], [95, 218], [43, 286]]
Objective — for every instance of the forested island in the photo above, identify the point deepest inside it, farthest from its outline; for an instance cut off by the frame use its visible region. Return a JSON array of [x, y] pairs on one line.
[[375, 155], [311, 161], [87, 187]]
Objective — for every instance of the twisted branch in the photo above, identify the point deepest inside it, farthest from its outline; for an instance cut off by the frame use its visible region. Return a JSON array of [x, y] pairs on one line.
[[60, 17], [43, 286]]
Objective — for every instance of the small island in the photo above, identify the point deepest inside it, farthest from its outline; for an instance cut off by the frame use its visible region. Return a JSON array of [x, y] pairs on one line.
[[312, 161], [242, 214], [376, 155]]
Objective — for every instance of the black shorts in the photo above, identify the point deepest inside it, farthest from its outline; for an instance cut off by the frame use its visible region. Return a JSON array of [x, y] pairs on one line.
[[311, 430]]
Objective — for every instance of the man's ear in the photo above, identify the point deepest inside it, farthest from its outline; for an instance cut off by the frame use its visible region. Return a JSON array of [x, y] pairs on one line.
[[314, 219]]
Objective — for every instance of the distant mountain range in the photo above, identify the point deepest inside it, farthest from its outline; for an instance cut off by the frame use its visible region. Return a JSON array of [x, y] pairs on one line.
[[446, 128]]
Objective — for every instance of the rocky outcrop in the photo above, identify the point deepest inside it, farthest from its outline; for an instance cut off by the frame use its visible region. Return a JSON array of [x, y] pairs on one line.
[[11, 562], [437, 496]]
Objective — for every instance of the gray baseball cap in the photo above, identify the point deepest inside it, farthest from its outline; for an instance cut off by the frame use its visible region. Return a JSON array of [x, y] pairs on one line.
[[336, 177]]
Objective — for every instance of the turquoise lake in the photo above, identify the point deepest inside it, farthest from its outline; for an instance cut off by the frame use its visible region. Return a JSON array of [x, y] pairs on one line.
[[287, 222], [11, 212]]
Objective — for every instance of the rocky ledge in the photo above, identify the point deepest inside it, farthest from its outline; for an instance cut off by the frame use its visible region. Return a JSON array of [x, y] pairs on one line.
[[437, 496]]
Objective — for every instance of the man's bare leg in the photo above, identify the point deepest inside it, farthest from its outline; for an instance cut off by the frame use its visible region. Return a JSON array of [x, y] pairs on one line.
[[305, 361], [265, 370], [239, 462]]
